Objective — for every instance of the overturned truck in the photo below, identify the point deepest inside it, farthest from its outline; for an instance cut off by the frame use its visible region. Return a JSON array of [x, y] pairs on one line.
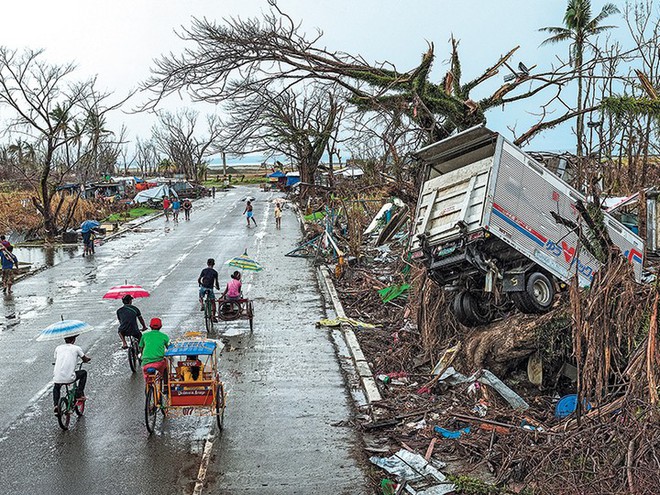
[[497, 228]]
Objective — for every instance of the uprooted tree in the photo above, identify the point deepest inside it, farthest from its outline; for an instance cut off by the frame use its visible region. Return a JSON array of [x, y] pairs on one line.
[[225, 60]]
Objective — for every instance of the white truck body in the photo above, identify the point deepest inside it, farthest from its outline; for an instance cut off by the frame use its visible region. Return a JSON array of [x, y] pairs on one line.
[[479, 184]]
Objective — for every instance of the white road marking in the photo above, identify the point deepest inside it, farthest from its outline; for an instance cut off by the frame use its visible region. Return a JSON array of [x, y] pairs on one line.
[[204, 465]]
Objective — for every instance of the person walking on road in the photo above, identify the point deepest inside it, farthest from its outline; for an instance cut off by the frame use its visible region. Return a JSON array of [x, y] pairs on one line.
[[166, 208], [8, 261], [186, 206], [278, 216], [128, 316], [176, 206], [66, 361], [153, 344], [250, 214]]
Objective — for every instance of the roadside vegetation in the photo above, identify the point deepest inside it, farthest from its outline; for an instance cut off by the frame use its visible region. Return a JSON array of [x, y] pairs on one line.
[[130, 214]]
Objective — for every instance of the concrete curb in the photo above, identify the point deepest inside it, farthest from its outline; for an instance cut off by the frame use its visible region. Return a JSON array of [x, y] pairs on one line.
[[369, 386], [371, 392]]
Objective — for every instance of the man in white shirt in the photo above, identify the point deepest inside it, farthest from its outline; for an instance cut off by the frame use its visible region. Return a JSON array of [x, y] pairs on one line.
[[66, 361]]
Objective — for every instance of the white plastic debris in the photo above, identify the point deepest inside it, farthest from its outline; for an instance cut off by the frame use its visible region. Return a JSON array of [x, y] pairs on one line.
[[414, 468], [453, 377]]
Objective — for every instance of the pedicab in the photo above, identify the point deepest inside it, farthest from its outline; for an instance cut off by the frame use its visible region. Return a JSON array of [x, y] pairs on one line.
[[236, 309], [191, 385], [242, 308]]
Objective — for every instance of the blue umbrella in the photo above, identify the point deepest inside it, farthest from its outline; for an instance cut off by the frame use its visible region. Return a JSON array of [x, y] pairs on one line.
[[88, 225], [63, 329]]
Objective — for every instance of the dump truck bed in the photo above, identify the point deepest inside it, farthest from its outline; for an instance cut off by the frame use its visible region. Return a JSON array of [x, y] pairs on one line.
[[478, 181]]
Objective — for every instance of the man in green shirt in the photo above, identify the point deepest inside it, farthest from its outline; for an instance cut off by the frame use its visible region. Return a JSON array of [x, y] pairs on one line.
[[153, 345]]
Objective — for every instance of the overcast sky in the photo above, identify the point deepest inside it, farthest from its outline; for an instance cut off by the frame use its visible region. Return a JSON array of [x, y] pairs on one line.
[[118, 40]]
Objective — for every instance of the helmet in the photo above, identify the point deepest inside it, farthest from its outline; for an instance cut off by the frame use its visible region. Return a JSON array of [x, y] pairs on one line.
[[127, 299], [156, 324]]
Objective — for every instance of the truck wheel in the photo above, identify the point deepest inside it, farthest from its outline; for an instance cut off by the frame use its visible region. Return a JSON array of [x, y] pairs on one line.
[[471, 310], [457, 309], [538, 296], [477, 309], [520, 302]]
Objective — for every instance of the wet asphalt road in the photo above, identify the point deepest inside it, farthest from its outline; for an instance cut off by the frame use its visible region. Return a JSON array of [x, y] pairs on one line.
[[284, 381]]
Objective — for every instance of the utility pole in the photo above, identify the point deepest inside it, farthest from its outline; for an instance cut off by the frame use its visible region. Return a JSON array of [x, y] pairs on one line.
[[224, 164]]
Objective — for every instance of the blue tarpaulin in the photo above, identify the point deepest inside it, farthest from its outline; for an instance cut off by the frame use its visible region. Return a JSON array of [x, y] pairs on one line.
[[191, 348], [277, 174], [292, 179]]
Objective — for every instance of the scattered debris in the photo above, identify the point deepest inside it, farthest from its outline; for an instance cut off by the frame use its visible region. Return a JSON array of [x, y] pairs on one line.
[[416, 471], [335, 322]]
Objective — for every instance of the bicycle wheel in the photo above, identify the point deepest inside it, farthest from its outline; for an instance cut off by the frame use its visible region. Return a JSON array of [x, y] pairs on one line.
[[161, 401], [220, 405], [63, 413], [208, 315], [132, 357], [150, 409]]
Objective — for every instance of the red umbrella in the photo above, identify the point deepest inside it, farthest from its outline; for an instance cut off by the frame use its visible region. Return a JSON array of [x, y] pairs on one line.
[[122, 290]]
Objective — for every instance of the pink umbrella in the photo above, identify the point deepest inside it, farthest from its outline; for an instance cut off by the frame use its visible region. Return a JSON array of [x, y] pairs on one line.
[[122, 290]]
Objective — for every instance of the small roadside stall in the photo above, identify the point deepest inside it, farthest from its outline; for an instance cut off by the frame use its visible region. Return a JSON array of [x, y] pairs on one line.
[[277, 180]]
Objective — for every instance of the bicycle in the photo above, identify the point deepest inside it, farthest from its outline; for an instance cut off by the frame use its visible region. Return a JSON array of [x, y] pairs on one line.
[[134, 358], [153, 398], [208, 310], [69, 404]]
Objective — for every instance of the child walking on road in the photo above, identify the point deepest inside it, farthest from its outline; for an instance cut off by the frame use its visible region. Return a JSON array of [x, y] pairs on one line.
[[278, 216], [250, 214]]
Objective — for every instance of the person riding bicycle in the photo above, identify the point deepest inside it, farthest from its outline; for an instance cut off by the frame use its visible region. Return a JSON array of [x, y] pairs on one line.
[[66, 360], [233, 290], [128, 316], [153, 344], [206, 281]]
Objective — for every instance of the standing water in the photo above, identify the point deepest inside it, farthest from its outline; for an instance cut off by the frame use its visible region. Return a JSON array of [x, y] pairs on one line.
[[37, 257]]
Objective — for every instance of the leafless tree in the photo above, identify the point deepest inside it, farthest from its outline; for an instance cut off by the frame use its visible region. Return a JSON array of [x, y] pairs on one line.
[[177, 137], [53, 128], [146, 157], [297, 124]]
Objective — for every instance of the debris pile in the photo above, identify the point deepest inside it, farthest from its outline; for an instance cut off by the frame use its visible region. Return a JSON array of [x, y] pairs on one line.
[[564, 402]]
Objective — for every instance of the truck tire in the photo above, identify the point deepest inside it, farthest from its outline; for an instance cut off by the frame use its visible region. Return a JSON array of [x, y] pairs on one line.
[[471, 310], [538, 296], [457, 309]]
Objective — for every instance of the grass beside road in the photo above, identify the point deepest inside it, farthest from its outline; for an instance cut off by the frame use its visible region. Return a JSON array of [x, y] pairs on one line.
[[131, 214]]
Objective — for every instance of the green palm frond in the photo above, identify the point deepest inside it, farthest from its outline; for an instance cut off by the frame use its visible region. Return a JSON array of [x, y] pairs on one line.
[[558, 38], [607, 10]]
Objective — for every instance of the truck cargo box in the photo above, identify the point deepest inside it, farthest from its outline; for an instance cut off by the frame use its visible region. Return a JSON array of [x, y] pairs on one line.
[[486, 208]]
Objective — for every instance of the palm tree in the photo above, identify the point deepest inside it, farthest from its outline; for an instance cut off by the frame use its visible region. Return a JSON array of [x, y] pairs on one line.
[[578, 27]]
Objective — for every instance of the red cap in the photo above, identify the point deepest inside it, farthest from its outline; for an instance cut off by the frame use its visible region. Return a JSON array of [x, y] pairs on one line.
[[156, 324]]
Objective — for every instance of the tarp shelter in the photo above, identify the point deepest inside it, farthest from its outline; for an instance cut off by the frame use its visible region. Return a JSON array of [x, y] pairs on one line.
[[154, 194], [278, 177], [292, 178]]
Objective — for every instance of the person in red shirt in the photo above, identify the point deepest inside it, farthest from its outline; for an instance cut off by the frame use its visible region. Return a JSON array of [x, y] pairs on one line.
[[166, 208]]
